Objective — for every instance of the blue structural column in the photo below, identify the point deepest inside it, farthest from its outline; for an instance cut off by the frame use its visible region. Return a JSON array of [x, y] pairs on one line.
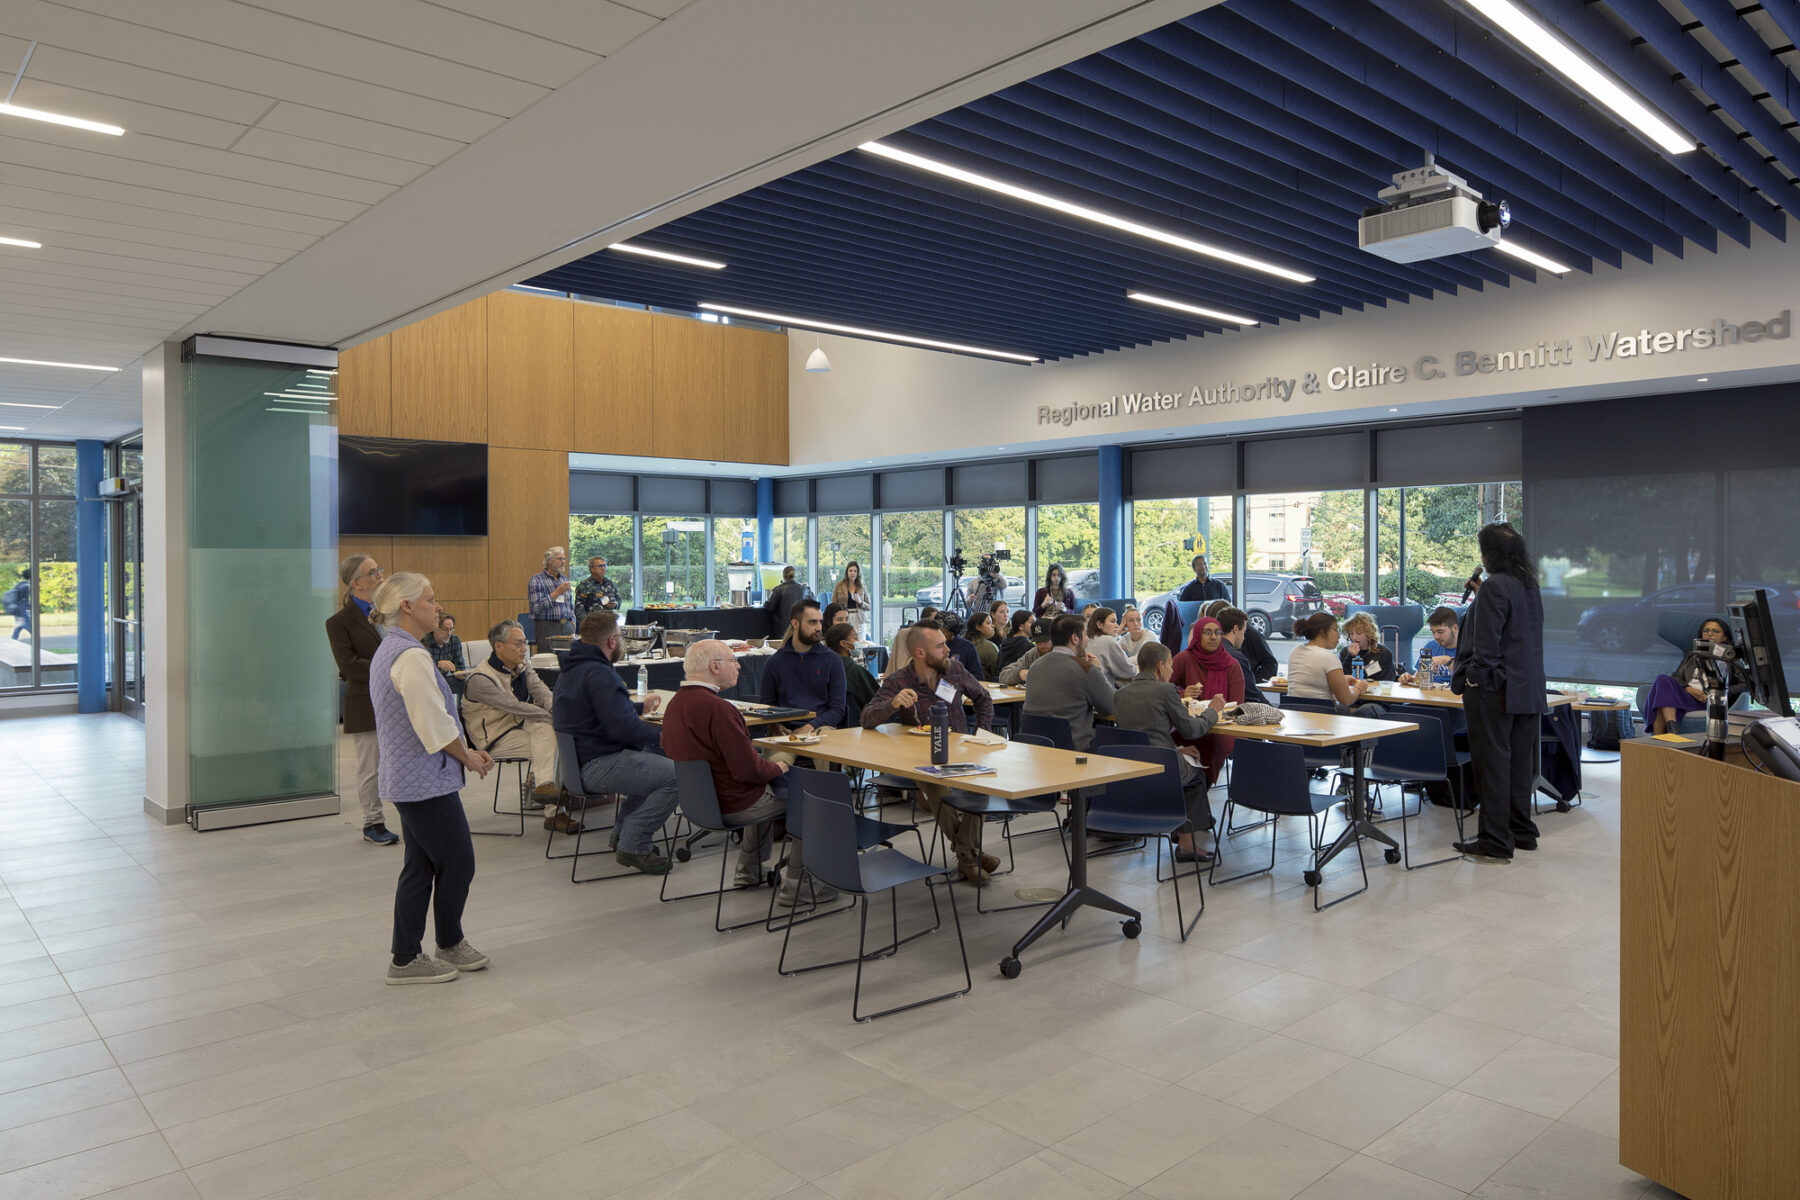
[[90, 577], [765, 530], [1112, 520]]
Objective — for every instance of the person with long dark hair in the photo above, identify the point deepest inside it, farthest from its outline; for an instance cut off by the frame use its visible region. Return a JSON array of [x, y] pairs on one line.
[[1500, 675], [1055, 597]]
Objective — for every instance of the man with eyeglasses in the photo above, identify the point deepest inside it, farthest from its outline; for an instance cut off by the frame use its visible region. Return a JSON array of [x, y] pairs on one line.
[[354, 640]]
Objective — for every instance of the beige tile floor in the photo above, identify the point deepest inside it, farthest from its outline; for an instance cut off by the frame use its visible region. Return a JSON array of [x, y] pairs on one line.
[[203, 1015]]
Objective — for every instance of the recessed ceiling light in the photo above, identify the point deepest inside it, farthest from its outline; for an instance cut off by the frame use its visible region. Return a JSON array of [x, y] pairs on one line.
[[1393, 410], [1702, 379], [22, 404], [12, 427], [1183, 306], [12, 241], [856, 331], [50, 118], [688, 260], [38, 362], [1081, 211], [1583, 74], [1532, 257]]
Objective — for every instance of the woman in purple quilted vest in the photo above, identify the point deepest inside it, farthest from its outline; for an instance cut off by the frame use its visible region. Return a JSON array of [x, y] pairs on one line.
[[422, 761]]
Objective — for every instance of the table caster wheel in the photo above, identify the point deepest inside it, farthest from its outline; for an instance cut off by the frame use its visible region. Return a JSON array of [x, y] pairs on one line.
[[1392, 855], [682, 854], [1312, 878], [1131, 928], [1010, 968]]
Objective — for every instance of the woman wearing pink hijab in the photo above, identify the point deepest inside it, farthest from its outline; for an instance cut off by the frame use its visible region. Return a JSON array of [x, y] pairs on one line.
[[1204, 670]]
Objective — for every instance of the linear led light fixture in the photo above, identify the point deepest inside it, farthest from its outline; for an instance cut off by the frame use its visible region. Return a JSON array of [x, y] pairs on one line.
[[309, 397], [38, 362], [1531, 256], [711, 264], [50, 118], [305, 412], [1081, 211], [1182, 306], [1583, 74], [22, 404], [317, 371], [11, 241], [856, 331], [12, 428]]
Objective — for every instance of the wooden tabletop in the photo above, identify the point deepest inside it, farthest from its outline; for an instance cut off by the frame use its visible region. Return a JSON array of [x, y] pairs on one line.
[[1398, 694], [1000, 695], [1020, 770], [750, 719], [1601, 705], [1302, 728]]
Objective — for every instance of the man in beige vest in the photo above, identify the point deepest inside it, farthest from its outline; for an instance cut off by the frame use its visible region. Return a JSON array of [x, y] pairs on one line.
[[506, 708]]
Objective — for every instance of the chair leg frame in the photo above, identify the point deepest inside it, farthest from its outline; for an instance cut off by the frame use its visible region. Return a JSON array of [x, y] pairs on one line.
[[525, 782], [1175, 877], [887, 951]]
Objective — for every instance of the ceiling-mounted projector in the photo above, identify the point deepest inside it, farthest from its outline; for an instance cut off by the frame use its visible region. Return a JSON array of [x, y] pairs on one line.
[[1428, 213]]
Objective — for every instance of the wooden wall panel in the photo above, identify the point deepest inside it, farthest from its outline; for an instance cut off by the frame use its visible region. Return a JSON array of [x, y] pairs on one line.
[[530, 371], [440, 377], [457, 566], [687, 373], [528, 512], [613, 409], [754, 414], [365, 390]]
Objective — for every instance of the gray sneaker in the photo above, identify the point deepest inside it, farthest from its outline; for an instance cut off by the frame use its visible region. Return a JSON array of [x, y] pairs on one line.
[[423, 969], [462, 956], [815, 892], [749, 874]]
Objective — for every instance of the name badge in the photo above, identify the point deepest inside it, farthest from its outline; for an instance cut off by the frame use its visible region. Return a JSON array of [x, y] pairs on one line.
[[945, 692]]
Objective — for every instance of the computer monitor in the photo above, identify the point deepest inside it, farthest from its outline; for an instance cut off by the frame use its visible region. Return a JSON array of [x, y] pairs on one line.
[[1754, 630]]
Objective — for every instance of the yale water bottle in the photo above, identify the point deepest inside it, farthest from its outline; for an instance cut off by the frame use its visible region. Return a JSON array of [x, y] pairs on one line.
[[940, 734]]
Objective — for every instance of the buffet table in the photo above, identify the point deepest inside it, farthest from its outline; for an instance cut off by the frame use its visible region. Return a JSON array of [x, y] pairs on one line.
[[740, 623]]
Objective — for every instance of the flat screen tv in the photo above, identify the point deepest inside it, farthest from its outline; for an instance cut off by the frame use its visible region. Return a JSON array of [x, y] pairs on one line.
[[412, 488]]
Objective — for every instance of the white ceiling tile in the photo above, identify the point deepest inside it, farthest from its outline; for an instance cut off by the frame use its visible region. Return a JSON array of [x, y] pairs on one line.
[[147, 256], [110, 77], [358, 134], [594, 25], [323, 156], [175, 204], [16, 210], [444, 33]]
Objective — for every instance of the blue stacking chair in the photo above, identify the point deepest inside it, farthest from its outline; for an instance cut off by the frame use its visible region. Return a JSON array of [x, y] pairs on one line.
[[568, 777], [700, 805], [1056, 729], [870, 833], [1273, 778], [1107, 738], [1414, 759], [830, 853], [1150, 807]]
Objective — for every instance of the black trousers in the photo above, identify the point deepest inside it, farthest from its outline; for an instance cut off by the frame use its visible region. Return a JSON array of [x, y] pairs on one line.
[[439, 866], [1503, 755]]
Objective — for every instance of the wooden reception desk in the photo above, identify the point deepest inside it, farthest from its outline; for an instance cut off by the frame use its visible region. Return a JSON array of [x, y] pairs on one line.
[[1709, 987]]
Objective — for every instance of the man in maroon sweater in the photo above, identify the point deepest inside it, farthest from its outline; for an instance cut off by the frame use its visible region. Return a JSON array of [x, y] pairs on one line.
[[700, 725]]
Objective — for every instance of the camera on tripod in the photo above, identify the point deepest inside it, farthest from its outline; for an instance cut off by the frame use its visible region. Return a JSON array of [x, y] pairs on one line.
[[956, 561]]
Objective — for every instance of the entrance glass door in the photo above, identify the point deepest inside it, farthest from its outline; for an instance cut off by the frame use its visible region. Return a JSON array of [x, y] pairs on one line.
[[125, 591]]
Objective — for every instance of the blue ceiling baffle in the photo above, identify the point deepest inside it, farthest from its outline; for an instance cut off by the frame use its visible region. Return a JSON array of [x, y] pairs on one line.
[[1261, 128]]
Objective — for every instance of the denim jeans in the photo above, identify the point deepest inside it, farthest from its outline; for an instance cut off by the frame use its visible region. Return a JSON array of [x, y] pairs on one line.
[[647, 781]]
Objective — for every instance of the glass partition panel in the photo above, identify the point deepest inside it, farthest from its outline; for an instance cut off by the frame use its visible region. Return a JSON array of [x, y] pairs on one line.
[[15, 585], [912, 553], [262, 493], [979, 531], [1615, 555], [608, 537], [1069, 534], [54, 590], [843, 539], [1765, 552], [674, 565]]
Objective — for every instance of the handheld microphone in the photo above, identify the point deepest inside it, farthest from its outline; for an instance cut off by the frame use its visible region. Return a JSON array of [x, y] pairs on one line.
[[1469, 587]]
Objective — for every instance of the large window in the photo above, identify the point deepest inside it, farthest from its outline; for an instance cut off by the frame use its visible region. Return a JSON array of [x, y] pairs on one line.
[[734, 540], [1165, 537], [1295, 537], [912, 554], [674, 566], [37, 565], [842, 540], [1069, 534], [787, 548], [1765, 552], [609, 537], [980, 531], [1436, 527]]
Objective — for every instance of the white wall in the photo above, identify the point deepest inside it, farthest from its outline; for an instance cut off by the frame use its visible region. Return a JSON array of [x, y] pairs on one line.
[[908, 404]]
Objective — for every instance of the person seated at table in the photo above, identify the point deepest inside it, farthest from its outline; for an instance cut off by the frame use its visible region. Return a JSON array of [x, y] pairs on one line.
[[961, 648], [1015, 673], [1107, 649], [445, 648], [702, 726], [804, 674], [506, 710], [1001, 612], [1315, 672], [859, 684], [1235, 624], [929, 676], [1132, 634], [981, 636], [834, 612], [596, 592], [897, 656], [1363, 649], [1152, 704], [1018, 640], [1203, 670], [1055, 596], [1438, 655], [615, 748], [1212, 608], [1068, 682], [928, 613], [1684, 691]]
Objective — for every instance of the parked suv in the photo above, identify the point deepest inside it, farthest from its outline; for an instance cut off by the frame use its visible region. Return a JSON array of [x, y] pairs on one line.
[[1627, 625], [1272, 600]]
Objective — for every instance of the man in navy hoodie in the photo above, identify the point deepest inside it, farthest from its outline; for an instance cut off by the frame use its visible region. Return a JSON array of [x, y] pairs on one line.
[[805, 673], [618, 750]]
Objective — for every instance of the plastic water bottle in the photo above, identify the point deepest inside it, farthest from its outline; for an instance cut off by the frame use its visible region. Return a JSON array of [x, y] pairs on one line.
[[1356, 667], [940, 734], [643, 682]]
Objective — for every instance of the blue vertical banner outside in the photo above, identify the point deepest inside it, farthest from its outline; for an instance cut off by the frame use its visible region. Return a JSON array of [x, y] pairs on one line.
[[90, 577], [1112, 520], [765, 531]]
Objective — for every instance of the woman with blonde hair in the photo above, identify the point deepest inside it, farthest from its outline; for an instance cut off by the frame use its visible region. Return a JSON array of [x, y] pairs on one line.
[[422, 762], [850, 593], [1363, 649]]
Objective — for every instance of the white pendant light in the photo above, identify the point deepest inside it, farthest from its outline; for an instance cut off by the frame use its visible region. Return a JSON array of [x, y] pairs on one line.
[[816, 362]]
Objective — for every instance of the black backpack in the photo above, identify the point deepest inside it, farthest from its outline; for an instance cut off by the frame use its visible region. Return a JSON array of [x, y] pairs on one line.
[[1607, 729]]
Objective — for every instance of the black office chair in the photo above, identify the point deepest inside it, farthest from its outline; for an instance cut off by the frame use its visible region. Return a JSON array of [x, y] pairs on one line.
[[522, 763], [1272, 777], [1413, 760], [568, 777], [699, 803]]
